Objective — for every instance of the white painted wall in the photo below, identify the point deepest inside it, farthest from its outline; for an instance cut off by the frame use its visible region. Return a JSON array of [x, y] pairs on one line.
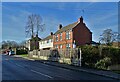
[[45, 45], [28, 44]]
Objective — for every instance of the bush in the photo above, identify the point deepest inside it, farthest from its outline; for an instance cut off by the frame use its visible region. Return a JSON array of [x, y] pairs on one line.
[[115, 55], [103, 63], [21, 51], [90, 55]]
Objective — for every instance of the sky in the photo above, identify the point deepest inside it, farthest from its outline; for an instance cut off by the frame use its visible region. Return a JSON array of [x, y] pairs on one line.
[[60, 0], [98, 16]]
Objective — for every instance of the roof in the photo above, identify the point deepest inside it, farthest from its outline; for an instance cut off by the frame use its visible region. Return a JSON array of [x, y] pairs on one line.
[[47, 38], [35, 38], [93, 42], [68, 27]]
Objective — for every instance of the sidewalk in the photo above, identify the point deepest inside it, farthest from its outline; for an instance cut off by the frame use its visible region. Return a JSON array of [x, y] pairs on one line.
[[109, 74]]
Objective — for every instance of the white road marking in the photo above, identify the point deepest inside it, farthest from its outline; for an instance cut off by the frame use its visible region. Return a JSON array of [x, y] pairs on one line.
[[6, 59], [19, 65], [41, 74]]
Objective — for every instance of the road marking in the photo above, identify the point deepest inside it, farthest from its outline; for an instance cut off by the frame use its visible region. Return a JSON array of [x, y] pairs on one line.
[[6, 59], [41, 74], [19, 65]]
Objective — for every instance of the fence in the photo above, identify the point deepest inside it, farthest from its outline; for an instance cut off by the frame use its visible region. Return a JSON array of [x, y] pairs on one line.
[[69, 56]]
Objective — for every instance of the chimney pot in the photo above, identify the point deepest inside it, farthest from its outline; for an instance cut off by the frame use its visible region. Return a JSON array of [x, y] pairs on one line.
[[60, 26], [51, 33], [80, 20]]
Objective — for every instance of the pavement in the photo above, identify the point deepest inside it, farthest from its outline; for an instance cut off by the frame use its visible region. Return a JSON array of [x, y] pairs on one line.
[[105, 73]]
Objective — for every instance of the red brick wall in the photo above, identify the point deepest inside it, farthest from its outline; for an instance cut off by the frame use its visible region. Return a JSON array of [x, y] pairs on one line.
[[81, 34], [64, 40]]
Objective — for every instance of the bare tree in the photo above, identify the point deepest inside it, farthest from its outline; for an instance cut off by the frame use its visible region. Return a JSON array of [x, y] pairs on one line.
[[7, 44], [108, 36], [34, 25]]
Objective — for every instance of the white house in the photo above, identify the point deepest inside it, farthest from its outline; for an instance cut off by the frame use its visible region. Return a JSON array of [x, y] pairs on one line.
[[46, 43], [33, 43], [27, 45]]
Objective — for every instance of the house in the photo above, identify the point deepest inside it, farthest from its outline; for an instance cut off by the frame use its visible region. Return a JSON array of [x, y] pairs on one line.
[[33, 43], [46, 43], [93, 43], [76, 33]]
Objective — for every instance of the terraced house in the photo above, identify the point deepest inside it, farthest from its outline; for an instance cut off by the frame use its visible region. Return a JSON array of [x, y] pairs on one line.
[[75, 33]]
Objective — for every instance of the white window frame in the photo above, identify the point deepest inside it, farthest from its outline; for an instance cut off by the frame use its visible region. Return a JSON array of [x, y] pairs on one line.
[[61, 46], [68, 35], [68, 46], [56, 37], [60, 36]]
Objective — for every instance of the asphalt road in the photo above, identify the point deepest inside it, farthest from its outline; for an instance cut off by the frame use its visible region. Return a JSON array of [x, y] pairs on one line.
[[14, 68]]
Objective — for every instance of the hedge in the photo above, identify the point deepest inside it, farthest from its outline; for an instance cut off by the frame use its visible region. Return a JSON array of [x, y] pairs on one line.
[[21, 51], [91, 56]]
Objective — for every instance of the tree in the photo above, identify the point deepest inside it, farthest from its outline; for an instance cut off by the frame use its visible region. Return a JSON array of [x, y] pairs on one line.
[[34, 25], [8, 44], [108, 36], [22, 44]]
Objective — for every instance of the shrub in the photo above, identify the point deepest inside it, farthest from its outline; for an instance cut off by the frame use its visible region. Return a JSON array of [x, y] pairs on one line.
[[21, 51], [103, 63], [90, 55]]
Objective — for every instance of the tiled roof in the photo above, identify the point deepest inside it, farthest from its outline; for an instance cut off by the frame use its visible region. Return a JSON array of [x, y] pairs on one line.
[[47, 38], [68, 27], [35, 38]]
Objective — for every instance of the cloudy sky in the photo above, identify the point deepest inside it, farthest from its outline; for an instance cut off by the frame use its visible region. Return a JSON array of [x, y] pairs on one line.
[[98, 16]]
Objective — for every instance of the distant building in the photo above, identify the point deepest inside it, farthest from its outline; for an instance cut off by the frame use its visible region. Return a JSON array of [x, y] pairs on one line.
[[93, 43], [46, 43], [76, 32], [33, 43]]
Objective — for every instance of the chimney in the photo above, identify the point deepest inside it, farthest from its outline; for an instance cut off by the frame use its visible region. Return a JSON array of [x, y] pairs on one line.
[[51, 33], [80, 20], [60, 26], [36, 35]]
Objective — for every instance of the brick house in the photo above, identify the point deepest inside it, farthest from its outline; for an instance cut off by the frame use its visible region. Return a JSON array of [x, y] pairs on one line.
[[77, 33], [33, 43]]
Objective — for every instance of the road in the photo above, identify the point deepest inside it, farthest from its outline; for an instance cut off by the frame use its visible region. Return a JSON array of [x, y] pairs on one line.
[[14, 68]]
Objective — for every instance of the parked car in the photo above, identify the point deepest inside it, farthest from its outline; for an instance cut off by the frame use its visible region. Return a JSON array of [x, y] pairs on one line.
[[11, 53]]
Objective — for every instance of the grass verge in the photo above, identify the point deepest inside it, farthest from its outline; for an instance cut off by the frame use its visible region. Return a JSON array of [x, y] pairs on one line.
[[24, 55]]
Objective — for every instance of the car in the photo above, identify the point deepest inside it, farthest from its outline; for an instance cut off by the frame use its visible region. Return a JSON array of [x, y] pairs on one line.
[[11, 53]]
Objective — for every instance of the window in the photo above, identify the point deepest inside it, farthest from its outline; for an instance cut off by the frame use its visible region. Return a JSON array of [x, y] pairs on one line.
[[56, 46], [60, 46], [60, 36], [68, 35], [50, 40], [68, 46], [47, 41], [56, 37]]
